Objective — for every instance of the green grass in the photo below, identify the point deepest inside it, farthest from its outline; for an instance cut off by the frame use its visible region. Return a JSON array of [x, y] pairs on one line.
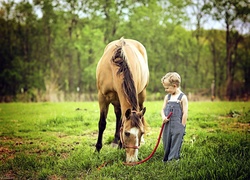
[[57, 141]]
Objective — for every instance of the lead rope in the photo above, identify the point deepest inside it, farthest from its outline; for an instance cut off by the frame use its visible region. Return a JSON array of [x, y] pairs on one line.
[[156, 146], [152, 153]]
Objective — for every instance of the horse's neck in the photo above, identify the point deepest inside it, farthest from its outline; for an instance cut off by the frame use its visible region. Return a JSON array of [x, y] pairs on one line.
[[125, 105]]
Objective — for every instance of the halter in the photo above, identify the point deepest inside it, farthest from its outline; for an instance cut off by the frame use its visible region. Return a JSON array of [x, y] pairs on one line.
[[122, 141]]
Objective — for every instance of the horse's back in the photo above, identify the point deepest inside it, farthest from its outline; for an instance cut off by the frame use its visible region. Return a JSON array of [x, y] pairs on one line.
[[107, 79], [131, 42]]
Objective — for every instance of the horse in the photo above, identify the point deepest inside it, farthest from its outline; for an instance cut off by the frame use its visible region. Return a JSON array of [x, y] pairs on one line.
[[122, 76]]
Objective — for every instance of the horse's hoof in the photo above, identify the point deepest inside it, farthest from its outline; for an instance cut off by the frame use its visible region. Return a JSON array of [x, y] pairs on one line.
[[98, 147], [114, 145], [96, 150]]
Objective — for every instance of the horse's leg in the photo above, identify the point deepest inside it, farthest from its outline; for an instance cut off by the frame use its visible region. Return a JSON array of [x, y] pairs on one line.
[[141, 98], [118, 113], [102, 121]]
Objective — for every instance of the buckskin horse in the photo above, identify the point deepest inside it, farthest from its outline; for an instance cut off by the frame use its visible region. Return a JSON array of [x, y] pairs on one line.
[[122, 77]]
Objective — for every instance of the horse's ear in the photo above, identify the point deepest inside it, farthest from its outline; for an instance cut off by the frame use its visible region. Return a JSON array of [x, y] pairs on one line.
[[127, 114], [143, 111]]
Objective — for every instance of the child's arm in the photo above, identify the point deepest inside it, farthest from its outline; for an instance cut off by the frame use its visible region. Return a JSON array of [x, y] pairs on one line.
[[184, 110], [163, 116]]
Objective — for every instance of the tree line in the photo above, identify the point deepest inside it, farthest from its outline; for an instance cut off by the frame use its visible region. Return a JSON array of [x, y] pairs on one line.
[[50, 49]]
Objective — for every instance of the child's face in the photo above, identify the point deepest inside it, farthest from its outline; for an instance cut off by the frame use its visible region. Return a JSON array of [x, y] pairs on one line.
[[171, 89]]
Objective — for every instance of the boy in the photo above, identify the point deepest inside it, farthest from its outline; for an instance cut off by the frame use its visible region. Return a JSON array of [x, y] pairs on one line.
[[176, 102]]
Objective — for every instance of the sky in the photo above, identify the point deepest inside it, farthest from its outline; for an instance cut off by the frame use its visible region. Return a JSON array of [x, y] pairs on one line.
[[206, 23]]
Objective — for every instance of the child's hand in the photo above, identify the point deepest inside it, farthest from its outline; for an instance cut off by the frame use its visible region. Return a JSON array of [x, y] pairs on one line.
[[165, 120]]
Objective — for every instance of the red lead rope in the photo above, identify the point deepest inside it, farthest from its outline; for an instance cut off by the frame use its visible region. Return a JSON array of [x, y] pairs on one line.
[[156, 146]]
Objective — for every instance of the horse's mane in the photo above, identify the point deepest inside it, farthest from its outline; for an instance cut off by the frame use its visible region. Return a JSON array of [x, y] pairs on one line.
[[128, 84], [135, 122]]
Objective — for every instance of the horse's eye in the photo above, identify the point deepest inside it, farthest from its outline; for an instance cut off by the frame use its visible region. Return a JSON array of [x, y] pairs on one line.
[[127, 134]]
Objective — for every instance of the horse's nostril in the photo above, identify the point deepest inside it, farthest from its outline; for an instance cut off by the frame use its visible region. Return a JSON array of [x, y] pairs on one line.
[[127, 134]]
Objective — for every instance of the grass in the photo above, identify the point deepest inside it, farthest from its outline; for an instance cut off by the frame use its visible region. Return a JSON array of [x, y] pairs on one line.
[[57, 141]]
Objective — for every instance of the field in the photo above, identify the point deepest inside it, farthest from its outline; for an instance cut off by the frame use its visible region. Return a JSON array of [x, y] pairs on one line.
[[57, 141]]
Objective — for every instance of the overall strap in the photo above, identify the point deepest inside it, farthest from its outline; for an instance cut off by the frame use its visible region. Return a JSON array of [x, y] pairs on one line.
[[169, 96], [180, 96]]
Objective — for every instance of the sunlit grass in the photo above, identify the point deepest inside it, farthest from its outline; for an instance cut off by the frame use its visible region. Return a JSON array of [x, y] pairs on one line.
[[57, 141]]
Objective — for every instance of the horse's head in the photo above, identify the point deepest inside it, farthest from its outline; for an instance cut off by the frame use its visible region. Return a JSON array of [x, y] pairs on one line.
[[131, 133]]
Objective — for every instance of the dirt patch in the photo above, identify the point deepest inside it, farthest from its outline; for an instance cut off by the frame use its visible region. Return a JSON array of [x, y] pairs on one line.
[[6, 154], [245, 126], [234, 124], [9, 175], [55, 177]]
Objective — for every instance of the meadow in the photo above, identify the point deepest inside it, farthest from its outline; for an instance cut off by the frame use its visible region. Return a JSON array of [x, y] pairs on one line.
[[57, 141]]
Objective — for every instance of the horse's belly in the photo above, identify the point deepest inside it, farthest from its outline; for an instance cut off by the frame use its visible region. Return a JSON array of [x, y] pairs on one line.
[[112, 97]]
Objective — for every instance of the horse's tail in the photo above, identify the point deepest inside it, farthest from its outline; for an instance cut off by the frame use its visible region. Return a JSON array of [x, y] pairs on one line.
[[119, 56], [122, 41], [119, 59]]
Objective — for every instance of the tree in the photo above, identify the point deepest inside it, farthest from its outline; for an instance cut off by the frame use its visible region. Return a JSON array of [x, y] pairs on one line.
[[198, 33], [52, 55], [243, 56], [216, 45], [231, 12]]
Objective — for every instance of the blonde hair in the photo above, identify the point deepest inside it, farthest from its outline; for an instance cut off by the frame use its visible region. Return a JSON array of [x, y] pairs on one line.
[[172, 78]]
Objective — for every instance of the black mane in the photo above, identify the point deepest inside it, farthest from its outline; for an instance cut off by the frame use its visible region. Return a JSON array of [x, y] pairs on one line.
[[128, 84]]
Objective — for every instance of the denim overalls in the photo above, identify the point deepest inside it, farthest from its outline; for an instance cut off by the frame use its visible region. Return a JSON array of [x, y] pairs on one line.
[[173, 130]]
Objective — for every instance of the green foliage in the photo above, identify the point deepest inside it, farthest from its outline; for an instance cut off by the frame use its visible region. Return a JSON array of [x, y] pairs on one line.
[[49, 49]]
